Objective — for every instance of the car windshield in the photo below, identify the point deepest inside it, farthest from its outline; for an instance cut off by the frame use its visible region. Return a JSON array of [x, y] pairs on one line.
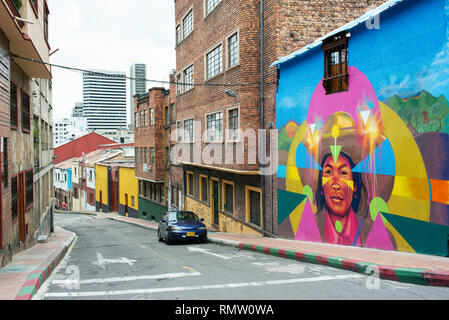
[[182, 216]]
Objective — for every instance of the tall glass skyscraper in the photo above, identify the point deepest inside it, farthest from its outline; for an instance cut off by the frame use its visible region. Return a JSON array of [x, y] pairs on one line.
[[138, 71], [104, 99]]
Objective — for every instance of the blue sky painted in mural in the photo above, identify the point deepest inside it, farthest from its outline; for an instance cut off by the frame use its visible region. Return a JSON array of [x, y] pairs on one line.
[[406, 55]]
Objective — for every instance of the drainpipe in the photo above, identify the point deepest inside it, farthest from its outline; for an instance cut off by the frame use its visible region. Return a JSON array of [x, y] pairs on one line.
[[169, 153], [262, 114]]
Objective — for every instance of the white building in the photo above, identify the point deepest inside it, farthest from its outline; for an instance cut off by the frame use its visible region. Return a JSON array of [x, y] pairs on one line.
[[138, 85], [119, 136], [104, 99], [69, 129]]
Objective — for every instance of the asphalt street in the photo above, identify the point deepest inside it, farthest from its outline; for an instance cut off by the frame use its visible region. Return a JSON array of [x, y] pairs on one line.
[[111, 260]]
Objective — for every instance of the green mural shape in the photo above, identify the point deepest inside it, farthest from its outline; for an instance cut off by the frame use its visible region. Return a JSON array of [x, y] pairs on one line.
[[287, 202], [423, 237], [335, 152], [378, 205], [307, 190]]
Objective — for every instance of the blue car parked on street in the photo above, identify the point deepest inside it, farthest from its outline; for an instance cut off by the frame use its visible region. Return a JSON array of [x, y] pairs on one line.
[[181, 225]]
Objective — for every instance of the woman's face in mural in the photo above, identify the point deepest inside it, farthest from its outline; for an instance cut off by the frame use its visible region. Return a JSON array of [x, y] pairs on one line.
[[338, 185]]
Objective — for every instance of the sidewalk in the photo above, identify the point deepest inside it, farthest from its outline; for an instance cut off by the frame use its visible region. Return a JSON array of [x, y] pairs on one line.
[[397, 266], [22, 278]]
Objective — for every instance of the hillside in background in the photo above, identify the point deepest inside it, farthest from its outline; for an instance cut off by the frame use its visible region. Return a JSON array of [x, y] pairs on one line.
[[424, 112]]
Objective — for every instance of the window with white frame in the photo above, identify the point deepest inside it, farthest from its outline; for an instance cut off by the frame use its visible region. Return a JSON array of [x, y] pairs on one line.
[[188, 130], [178, 84], [179, 131], [214, 62], [187, 24], [233, 50], [210, 5], [152, 117], [215, 126], [188, 78], [233, 119], [178, 34]]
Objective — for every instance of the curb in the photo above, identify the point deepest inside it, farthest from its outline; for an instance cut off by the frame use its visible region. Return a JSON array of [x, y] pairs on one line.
[[38, 276], [405, 275]]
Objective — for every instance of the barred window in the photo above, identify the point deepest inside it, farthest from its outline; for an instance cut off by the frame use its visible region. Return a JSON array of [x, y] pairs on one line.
[[13, 105], [203, 186], [188, 78], [188, 130], [26, 121], [136, 151], [233, 47], [214, 62], [187, 24], [215, 126], [229, 198], [254, 207], [210, 5]]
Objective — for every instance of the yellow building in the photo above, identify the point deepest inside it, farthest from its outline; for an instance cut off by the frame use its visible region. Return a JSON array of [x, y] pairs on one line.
[[102, 188], [128, 191]]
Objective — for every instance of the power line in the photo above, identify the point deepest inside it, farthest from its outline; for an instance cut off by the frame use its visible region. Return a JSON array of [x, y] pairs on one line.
[[140, 79]]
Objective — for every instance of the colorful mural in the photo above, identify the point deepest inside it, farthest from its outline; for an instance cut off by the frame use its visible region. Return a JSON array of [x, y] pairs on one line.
[[366, 167]]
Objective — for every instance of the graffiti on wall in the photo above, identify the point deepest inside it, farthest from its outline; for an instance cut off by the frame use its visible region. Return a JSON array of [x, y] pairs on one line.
[[364, 172]]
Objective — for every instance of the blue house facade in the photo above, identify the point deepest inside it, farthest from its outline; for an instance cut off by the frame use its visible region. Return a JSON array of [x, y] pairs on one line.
[[363, 120]]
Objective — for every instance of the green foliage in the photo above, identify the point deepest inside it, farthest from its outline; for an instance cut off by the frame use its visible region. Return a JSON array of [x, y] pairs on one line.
[[424, 112], [18, 4], [284, 141]]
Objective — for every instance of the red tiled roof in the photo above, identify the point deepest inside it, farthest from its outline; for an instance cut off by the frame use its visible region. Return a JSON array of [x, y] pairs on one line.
[[88, 143]]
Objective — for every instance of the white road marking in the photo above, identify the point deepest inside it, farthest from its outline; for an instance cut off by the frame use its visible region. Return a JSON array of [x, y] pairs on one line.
[[202, 287], [125, 279], [270, 267], [206, 251], [102, 262]]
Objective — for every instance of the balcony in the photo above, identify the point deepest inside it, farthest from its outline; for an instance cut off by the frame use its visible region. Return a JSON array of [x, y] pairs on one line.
[[25, 40]]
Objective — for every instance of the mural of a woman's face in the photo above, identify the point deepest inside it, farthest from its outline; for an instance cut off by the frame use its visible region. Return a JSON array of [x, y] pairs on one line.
[[338, 185]]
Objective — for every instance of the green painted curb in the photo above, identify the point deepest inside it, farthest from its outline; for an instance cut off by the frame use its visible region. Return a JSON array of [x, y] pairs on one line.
[[411, 275], [27, 290]]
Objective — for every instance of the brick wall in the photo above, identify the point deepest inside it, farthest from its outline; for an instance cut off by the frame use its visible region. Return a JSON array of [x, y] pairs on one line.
[[228, 17], [151, 136]]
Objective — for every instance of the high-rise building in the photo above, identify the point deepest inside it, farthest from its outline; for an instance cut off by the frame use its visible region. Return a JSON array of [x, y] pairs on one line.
[[77, 111], [138, 85], [104, 99]]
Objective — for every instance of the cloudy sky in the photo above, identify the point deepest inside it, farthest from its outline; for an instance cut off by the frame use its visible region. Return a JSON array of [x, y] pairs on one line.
[[109, 35]]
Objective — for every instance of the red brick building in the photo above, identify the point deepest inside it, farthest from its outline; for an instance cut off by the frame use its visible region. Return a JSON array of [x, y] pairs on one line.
[[218, 74]]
